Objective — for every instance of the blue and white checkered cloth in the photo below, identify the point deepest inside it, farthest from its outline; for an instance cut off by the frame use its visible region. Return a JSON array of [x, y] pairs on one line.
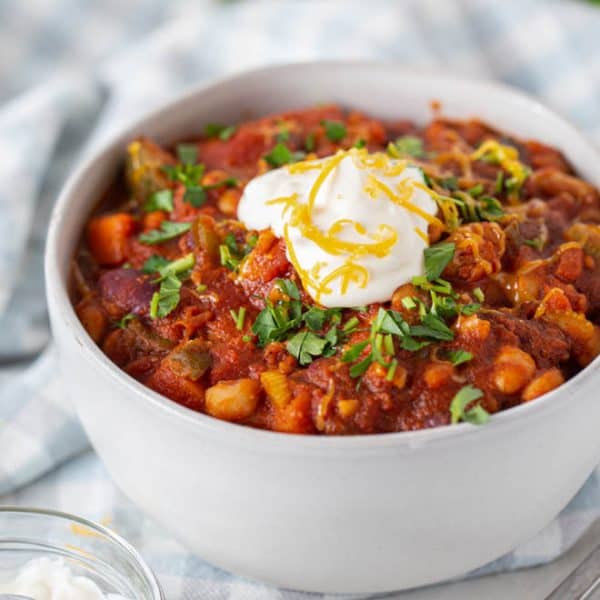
[[72, 72]]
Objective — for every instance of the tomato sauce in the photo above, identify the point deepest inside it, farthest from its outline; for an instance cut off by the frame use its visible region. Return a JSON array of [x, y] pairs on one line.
[[182, 297]]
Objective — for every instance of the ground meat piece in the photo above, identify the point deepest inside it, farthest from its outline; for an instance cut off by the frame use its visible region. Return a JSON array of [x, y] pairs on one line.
[[479, 248], [545, 342]]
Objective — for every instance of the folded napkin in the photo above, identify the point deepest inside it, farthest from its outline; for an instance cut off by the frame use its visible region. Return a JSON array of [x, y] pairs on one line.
[[99, 65]]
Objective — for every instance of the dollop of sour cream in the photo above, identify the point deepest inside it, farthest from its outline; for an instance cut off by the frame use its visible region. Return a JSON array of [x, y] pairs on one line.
[[51, 579], [355, 224]]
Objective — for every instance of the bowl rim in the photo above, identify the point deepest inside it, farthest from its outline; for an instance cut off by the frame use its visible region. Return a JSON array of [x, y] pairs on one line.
[[239, 434], [146, 571]]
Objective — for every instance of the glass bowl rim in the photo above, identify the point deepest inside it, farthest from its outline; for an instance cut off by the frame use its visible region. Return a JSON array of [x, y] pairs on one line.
[[146, 571]]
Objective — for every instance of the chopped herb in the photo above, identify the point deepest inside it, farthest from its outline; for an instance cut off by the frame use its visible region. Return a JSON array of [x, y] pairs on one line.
[[216, 130], [284, 134], [334, 130], [409, 303], [469, 309], [227, 132], [171, 275], [280, 321], [180, 266], [410, 145], [281, 155], [195, 195], [536, 243], [476, 190], [167, 298], [251, 240], [122, 323], [479, 295], [350, 325], [490, 209], [201, 287], [168, 230], [458, 357], [160, 200], [246, 338], [463, 398], [392, 370], [187, 154], [360, 143], [432, 327], [228, 181], [227, 259], [448, 183], [154, 264], [309, 142], [187, 174], [304, 346], [499, 185], [289, 288], [238, 317], [436, 259]]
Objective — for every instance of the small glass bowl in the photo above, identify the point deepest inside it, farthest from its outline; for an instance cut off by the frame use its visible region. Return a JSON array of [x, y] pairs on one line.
[[88, 549]]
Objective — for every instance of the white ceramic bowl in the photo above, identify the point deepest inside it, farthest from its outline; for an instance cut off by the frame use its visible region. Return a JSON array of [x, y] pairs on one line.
[[355, 514]]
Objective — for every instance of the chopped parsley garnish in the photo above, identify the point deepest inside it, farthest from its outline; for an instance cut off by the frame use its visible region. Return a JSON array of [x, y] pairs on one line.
[[168, 230], [409, 303], [448, 183], [289, 288], [195, 195], [305, 345], [171, 274], [229, 253], [167, 298], [284, 134], [410, 145], [479, 295], [309, 142], [201, 287], [436, 259], [186, 173], [285, 320], [227, 259], [123, 322], [187, 154], [535, 243], [476, 415], [216, 130], [387, 325], [154, 264], [350, 325], [499, 185], [432, 327], [281, 155], [476, 190], [360, 143], [238, 317], [458, 357], [160, 200], [180, 266], [334, 130], [190, 174]]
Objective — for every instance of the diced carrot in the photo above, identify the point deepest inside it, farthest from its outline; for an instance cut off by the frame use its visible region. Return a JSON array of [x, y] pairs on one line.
[[107, 237], [153, 220]]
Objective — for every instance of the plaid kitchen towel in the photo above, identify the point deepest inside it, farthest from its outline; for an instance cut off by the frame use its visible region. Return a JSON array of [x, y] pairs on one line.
[[73, 72]]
